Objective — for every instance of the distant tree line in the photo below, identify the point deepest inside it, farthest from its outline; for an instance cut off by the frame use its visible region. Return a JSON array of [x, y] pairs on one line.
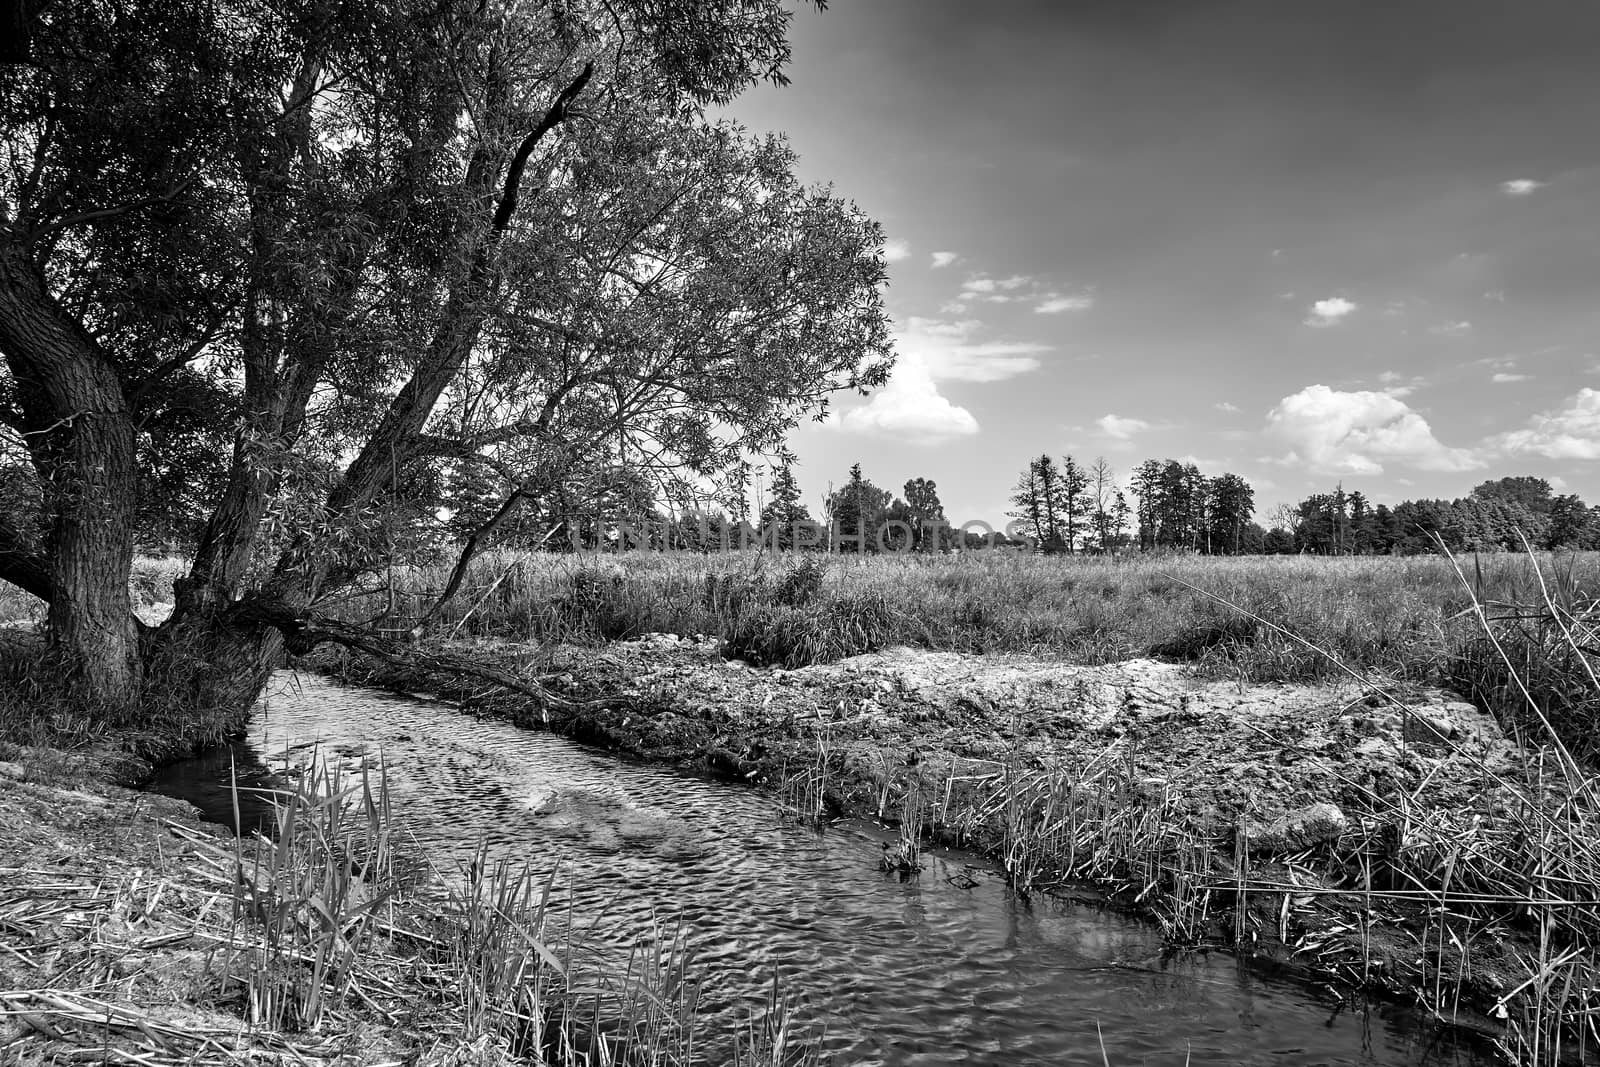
[[1496, 516], [1058, 506]]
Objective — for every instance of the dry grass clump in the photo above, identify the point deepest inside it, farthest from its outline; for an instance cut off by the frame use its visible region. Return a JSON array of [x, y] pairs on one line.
[[39, 709]]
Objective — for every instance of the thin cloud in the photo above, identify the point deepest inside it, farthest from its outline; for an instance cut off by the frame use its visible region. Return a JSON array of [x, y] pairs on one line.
[[1330, 312], [1398, 385], [896, 250], [1570, 432], [1055, 303], [1451, 329], [1223, 405], [1336, 432], [1119, 428], [1502, 378], [943, 259], [1521, 187], [994, 290], [951, 353]]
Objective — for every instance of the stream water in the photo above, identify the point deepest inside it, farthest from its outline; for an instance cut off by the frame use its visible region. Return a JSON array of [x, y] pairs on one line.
[[947, 967]]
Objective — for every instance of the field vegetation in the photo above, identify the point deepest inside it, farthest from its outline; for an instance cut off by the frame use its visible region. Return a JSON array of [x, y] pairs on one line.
[[1488, 626], [1424, 619]]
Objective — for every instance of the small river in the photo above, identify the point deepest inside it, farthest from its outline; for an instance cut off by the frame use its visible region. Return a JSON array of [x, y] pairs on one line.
[[948, 967]]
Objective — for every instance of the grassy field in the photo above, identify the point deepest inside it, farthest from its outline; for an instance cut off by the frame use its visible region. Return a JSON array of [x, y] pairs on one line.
[[1424, 619], [1257, 619]]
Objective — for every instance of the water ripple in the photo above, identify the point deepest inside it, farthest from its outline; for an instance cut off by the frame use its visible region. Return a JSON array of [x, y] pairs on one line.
[[906, 973]]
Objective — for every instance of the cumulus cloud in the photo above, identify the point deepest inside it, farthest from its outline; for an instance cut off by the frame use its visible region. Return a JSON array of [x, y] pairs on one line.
[[1338, 432], [1120, 428], [1570, 432], [911, 407], [1521, 187], [931, 351], [943, 259], [1451, 329], [1330, 311], [1503, 377], [895, 251], [1055, 303]]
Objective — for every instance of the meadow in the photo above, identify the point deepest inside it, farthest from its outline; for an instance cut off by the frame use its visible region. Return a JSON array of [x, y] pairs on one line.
[[1496, 628], [1423, 619]]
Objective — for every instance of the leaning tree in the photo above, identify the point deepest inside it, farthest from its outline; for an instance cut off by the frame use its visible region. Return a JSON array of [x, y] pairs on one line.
[[276, 271]]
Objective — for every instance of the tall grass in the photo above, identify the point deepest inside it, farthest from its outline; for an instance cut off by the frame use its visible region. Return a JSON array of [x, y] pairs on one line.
[[312, 897], [1404, 616]]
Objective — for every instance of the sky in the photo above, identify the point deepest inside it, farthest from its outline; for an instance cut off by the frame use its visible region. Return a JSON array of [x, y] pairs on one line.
[[1310, 244]]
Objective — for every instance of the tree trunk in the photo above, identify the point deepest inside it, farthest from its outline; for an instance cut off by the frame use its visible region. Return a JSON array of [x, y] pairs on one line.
[[204, 670], [81, 439]]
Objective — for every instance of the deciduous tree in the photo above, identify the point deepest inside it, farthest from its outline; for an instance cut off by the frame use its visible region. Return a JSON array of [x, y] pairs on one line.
[[926, 514], [270, 265]]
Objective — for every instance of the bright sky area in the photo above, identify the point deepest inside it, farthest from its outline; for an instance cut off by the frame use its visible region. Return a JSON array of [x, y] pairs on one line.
[[1305, 243]]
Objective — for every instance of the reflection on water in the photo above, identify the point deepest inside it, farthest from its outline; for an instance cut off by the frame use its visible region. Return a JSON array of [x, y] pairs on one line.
[[944, 968]]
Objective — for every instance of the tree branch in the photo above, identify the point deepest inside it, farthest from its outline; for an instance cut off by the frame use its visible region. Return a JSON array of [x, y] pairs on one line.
[[469, 551], [33, 238], [519, 162], [368, 474], [20, 565], [303, 633]]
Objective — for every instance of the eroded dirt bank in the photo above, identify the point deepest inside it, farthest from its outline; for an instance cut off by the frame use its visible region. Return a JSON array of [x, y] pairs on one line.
[[1287, 821]]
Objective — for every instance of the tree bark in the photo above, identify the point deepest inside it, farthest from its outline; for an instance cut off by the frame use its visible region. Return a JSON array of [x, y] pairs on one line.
[[82, 443]]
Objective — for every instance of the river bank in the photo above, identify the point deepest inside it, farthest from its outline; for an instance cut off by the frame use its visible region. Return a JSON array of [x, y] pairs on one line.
[[131, 932], [1389, 840], [118, 937]]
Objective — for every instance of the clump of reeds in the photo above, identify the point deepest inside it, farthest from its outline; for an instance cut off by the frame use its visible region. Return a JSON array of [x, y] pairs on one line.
[[1536, 661], [311, 899], [798, 635], [803, 789]]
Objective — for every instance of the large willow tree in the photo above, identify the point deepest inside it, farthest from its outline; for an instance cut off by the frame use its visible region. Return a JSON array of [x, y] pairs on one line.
[[284, 268]]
